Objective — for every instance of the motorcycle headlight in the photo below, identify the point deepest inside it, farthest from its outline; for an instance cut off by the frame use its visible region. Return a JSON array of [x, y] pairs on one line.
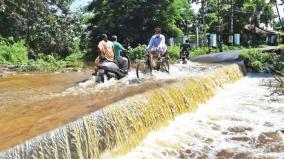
[[101, 71]]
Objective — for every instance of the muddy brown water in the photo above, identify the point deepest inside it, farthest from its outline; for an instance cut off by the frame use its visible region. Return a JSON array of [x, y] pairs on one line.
[[31, 104]]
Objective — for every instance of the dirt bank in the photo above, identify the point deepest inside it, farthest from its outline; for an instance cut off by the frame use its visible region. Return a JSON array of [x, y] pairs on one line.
[[6, 69]]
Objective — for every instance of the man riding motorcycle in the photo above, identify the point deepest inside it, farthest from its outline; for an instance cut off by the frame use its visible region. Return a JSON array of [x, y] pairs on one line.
[[106, 51], [157, 45], [185, 47], [184, 53], [106, 67]]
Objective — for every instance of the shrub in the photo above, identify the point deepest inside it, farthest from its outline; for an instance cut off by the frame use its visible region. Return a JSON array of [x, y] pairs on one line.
[[44, 63], [54, 62], [199, 51], [13, 52], [278, 63], [138, 52], [75, 58], [228, 48], [256, 59], [203, 51], [174, 52]]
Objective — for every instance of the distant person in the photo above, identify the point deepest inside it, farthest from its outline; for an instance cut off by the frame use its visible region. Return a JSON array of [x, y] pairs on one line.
[[118, 49], [185, 48], [106, 50], [32, 55]]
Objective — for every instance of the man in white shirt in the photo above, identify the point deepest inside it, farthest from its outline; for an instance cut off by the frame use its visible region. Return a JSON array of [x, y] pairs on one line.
[[157, 45], [157, 42]]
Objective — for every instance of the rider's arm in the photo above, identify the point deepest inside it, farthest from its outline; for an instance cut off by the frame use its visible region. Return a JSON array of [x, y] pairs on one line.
[[100, 49], [163, 42], [120, 47], [150, 43], [162, 46], [113, 50], [101, 56]]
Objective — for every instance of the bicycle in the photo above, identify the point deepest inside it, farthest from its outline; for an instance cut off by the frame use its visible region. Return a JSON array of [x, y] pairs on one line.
[[145, 67]]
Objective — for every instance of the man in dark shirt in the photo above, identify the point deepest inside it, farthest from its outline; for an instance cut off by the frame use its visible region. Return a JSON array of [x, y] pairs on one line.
[[185, 47]]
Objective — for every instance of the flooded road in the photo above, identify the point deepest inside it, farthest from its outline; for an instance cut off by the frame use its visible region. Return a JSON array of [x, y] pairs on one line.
[[33, 87], [242, 121], [31, 104]]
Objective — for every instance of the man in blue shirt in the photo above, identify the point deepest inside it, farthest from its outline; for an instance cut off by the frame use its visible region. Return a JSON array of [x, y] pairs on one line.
[[157, 42], [118, 48], [157, 45]]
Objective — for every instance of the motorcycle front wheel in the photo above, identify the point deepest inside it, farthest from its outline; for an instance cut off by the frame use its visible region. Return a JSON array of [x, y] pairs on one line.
[[142, 69], [165, 66]]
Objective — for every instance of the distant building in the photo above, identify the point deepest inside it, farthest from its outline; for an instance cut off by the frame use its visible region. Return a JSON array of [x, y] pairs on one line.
[[254, 35]]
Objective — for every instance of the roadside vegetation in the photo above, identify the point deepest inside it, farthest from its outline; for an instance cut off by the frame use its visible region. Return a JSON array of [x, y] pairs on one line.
[[16, 53], [47, 36], [266, 62], [259, 61]]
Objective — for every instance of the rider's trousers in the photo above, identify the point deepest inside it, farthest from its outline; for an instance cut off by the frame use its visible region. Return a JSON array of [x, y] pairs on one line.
[[123, 62]]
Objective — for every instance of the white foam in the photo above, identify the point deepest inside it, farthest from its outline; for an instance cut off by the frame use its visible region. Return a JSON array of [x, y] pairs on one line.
[[243, 106], [177, 72]]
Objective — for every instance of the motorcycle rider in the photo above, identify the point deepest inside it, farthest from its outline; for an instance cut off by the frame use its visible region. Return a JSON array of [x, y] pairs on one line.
[[106, 50], [118, 49], [157, 44], [185, 47]]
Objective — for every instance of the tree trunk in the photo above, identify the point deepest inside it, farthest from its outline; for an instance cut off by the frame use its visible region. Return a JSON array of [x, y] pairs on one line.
[[278, 12]]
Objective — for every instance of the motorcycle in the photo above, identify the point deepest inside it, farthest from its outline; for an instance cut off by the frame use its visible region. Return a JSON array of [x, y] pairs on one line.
[[111, 69], [184, 56]]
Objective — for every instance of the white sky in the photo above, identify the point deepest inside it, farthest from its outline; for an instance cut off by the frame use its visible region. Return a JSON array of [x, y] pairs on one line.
[[281, 9], [79, 4]]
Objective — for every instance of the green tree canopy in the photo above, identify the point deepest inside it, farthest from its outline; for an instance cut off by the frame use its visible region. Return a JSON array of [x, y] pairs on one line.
[[46, 25], [136, 19], [245, 12]]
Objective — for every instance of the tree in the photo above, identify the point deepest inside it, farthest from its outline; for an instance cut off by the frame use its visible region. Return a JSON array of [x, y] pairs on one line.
[[47, 26], [136, 19], [245, 12], [279, 25]]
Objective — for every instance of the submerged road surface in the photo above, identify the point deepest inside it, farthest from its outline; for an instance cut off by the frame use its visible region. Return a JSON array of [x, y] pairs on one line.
[[31, 104], [226, 56]]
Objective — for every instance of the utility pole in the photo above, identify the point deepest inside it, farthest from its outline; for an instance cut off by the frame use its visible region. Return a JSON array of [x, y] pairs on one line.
[[231, 38], [203, 13], [219, 29], [197, 36]]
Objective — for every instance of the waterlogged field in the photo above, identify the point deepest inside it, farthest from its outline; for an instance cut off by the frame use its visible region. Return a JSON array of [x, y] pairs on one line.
[[242, 121]]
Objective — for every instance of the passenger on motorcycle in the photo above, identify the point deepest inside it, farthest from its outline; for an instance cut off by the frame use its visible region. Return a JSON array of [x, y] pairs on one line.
[[157, 45], [106, 50], [118, 49]]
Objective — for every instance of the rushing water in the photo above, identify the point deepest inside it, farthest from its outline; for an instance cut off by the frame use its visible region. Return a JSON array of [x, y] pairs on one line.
[[119, 127], [241, 121], [31, 104]]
